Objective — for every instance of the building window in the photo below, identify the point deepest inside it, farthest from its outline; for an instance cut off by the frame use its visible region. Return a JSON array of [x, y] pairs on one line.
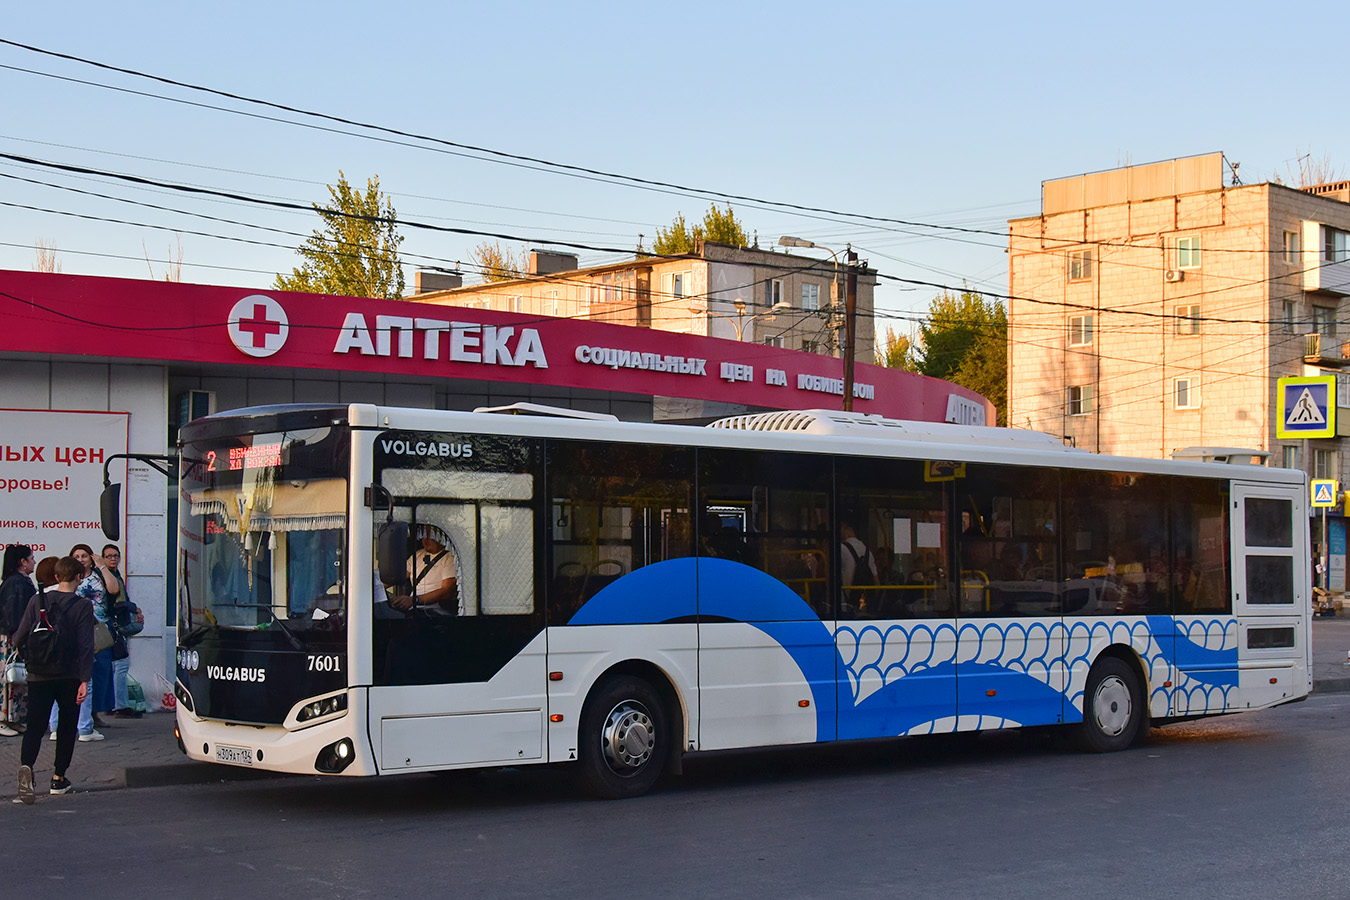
[[1185, 394], [1079, 399], [1188, 253], [811, 347], [1324, 464], [1291, 247], [553, 302], [679, 285], [774, 291], [1289, 457], [1188, 319], [1289, 316], [1080, 265], [810, 296], [773, 340], [515, 305], [1335, 245], [1324, 320], [1080, 330]]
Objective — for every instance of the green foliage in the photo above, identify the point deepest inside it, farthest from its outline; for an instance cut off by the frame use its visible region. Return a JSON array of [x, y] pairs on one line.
[[355, 254], [965, 341], [898, 352], [719, 226], [498, 263]]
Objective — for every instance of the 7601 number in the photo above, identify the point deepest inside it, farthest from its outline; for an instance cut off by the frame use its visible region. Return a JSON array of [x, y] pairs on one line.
[[325, 663]]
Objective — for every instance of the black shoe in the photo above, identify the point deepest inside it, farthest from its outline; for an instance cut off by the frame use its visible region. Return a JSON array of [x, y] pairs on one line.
[[61, 785], [126, 713], [99, 723]]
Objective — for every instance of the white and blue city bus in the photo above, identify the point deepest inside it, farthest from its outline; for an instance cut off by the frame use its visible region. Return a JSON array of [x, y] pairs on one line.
[[628, 593]]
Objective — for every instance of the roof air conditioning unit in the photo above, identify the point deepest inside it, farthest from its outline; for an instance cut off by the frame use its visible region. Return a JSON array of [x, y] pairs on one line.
[[1172, 276]]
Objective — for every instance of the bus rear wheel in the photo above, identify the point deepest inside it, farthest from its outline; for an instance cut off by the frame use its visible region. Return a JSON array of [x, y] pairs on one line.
[[1113, 707], [625, 738]]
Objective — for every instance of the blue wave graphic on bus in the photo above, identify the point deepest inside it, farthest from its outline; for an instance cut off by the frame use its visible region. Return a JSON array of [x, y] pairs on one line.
[[1009, 679], [1217, 668]]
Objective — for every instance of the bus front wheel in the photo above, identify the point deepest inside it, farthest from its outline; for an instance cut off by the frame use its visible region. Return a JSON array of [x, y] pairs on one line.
[[625, 738], [1113, 707]]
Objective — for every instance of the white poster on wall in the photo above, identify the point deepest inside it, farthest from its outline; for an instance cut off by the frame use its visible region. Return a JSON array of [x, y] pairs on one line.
[[51, 475]]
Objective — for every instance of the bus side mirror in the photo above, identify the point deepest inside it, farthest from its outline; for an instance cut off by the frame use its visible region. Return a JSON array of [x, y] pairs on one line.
[[109, 511], [392, 547]]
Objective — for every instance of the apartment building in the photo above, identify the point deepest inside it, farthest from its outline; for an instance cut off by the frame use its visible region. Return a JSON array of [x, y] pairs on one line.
[[1154, 307], [760, 296]]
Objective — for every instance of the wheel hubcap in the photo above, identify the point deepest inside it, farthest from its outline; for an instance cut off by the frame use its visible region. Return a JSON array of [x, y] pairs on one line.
[[1112, 705], [628, 738]]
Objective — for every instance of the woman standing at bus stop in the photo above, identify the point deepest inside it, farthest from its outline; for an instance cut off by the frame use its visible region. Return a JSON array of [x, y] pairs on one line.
[[15, 592]]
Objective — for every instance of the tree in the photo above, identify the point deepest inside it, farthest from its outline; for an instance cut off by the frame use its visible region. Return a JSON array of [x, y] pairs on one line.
[[719, 226], [498, 263], [46, 257], [174, 271], [356, 251], [898, 352], [965, 341]]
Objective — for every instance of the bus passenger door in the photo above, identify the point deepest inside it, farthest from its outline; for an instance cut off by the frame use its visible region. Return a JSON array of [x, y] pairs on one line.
[[767, 661], [460, 680], [1271, 593], [896, 634]]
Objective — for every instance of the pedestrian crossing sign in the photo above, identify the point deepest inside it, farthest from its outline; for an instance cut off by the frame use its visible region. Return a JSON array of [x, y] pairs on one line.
[[1323, 492], [1307, 407]]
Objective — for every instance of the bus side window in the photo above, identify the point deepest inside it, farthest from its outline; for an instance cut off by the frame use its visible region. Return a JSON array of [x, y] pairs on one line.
[[770, 511], [613, 509]]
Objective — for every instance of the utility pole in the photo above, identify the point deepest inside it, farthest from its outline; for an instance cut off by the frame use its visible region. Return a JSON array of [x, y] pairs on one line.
[[850, 322]]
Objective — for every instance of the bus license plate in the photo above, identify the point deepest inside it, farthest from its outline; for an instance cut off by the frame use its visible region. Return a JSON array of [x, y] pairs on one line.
[[239, 756]]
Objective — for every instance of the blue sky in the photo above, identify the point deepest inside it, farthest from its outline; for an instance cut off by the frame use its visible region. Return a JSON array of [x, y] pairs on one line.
[[947, 115]]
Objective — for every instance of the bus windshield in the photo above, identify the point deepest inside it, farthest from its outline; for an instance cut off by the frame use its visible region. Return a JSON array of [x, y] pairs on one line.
[[262, 527]]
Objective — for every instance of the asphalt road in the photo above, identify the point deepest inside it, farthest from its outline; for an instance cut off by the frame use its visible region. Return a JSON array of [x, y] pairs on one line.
[[1241, 807]]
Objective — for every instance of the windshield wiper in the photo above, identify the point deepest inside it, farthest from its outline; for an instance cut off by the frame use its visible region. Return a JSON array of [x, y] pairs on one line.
[[194, 637], [295, 642]]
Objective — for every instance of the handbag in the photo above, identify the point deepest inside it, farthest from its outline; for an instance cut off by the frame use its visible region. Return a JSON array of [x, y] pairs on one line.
[[15, 671], [103, 638]]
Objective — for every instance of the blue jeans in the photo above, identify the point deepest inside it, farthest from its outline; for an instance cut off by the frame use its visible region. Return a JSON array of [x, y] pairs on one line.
[[119, 678]]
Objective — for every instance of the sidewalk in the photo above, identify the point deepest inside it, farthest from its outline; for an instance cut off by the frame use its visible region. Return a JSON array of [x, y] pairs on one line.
[[143, 752], [134, 753]]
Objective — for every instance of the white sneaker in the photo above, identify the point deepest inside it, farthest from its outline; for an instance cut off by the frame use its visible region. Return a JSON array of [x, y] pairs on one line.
[[6, 731], [91, 736], [52, 737]]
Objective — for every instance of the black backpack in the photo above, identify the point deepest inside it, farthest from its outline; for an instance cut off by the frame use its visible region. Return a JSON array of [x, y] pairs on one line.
[[862, 572], [43, 648]]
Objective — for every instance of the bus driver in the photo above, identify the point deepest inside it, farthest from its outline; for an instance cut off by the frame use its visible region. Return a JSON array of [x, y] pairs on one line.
[[433, 570]]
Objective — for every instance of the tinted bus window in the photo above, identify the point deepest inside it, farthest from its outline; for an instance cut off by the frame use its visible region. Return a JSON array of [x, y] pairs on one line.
[[614, 508], [902, 518], [1007, 541], [769, 511]]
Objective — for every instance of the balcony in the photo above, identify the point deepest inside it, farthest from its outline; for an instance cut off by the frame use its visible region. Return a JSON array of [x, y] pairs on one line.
[[1326, 351], [1325, 270]]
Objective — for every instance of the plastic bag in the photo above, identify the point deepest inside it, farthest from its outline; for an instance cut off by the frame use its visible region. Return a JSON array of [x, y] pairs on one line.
[[135, 695]]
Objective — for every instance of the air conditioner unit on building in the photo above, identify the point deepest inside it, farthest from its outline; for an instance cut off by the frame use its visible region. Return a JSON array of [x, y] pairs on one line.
[[1172, 276]]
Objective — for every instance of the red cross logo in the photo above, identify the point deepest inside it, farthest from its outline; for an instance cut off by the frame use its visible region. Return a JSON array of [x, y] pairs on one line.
[[258, 325]]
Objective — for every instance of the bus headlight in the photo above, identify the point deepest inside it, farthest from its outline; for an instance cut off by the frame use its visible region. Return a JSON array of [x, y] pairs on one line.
[[336, 757], [325, 707], [183, 696]]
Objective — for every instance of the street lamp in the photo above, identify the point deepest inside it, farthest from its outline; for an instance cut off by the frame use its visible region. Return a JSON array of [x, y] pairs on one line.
[[850, 307], [741, 319]]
